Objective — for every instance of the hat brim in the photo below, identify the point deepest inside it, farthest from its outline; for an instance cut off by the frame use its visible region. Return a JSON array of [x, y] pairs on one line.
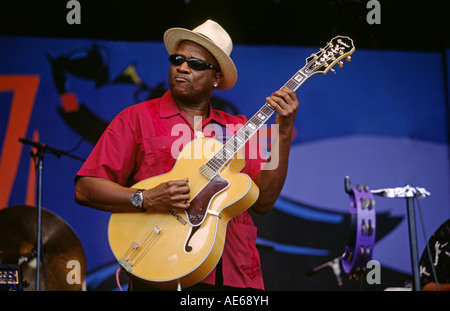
[[174, 36]]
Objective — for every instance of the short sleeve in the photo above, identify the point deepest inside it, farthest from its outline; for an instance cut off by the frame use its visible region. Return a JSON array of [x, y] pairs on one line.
[[113, 156]]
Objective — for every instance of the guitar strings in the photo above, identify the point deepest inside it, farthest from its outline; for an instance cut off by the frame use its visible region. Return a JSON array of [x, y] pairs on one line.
[[152, 235], [148, 231], [149, 234]]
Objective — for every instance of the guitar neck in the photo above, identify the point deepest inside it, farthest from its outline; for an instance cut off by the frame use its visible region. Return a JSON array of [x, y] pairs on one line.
[[231, 147], [338, 48]]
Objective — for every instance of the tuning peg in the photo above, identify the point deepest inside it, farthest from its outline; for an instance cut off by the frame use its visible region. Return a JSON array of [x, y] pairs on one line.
[[332, 70], [348, 59], [341, 64]]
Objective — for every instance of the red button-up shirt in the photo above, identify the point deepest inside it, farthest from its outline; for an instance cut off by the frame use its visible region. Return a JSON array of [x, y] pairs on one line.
[[144, 141]]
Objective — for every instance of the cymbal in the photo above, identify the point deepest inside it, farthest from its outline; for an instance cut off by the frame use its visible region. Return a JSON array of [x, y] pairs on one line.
[[60, 245]]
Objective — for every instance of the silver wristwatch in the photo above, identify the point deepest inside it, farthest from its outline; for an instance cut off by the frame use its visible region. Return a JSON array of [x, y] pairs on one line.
[[138, 200]]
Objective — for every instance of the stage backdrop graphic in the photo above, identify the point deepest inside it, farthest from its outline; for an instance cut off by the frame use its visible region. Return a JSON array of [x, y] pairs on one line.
[[382, 120]]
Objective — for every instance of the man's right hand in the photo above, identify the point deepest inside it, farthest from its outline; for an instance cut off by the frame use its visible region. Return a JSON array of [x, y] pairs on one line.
[[167, 196]]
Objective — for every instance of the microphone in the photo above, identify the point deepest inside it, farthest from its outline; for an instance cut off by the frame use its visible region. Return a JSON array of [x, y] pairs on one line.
[[33, 143], [44, 148]]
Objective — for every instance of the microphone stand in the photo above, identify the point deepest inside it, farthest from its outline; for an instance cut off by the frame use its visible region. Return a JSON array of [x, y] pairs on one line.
[[38, 158], [412, 231], [39, 164]]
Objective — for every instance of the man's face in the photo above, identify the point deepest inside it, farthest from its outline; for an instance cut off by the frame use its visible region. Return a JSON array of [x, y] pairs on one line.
[[189, 84]]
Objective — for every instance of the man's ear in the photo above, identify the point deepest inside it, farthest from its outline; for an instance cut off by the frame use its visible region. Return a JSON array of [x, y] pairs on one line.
[[218, 79]]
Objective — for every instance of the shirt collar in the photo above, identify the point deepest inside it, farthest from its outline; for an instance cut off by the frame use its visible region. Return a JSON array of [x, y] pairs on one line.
[[169, 108]]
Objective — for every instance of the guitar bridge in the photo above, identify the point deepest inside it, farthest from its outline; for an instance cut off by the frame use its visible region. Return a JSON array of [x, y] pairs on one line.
[[138, 248]]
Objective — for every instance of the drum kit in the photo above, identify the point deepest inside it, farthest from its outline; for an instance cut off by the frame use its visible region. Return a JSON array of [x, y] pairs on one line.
[[38, 249], [60, 245]]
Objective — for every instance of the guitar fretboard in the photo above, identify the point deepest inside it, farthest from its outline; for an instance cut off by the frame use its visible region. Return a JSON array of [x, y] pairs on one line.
[[231, 147]]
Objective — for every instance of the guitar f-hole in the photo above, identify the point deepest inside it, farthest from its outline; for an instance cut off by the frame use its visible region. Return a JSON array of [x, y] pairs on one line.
[[187, 247]]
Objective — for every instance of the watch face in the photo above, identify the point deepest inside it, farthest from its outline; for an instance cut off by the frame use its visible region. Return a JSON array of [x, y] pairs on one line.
[[136, 199]]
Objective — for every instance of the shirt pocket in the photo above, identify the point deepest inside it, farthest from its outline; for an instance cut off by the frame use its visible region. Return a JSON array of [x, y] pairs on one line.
[[157, 156]]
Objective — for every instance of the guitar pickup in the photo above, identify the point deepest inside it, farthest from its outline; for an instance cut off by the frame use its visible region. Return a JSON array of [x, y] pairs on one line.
[[207, 172]]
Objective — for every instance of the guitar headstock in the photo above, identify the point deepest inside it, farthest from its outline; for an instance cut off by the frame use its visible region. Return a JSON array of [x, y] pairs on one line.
[[338, 48]]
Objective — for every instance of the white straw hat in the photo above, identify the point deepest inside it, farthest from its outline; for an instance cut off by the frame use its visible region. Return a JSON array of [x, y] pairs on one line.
[[212, 37]]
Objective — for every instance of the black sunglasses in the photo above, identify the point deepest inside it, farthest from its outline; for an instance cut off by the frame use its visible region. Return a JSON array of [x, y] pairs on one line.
[[193, 63]]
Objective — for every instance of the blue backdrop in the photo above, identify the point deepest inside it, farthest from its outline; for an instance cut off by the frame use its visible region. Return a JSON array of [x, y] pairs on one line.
[[382, 120]]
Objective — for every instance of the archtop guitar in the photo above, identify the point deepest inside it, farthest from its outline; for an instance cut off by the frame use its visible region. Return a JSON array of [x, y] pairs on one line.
[[179, 248]]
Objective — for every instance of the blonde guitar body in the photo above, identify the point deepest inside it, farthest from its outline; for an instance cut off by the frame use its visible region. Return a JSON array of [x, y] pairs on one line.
[[179, 248]]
